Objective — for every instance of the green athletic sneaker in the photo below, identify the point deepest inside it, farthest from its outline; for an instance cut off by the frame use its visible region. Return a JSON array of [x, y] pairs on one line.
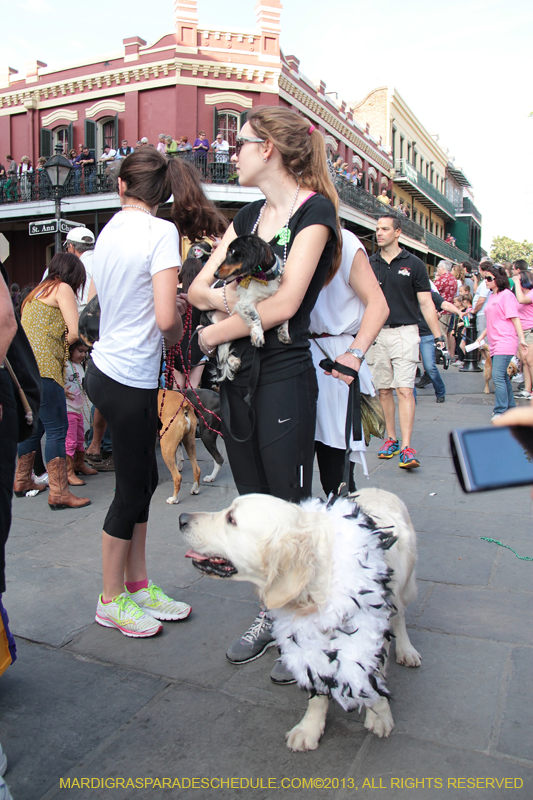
[[155, 602], [123, 613]]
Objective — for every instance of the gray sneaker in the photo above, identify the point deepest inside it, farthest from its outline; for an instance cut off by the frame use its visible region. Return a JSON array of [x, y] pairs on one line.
[[257, 639], [281, 675]]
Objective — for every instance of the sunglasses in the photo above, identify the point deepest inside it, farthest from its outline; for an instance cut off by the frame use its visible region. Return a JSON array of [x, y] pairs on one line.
[[241, 140], [489, 279]]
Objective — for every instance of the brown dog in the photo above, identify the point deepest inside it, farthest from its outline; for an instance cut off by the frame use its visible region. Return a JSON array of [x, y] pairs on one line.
[[182, 430], [487, 369]]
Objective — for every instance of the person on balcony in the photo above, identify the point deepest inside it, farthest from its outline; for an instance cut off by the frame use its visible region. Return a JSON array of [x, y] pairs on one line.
[[88, 165], [123, 150], [25, 174], [171, 147], [108, 154], [200, 149], [11, 184], [221, 149], [184, 146], [162, 144], [400, 208], [383, 196]]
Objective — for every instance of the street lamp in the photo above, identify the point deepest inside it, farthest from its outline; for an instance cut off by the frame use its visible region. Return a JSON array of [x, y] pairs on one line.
[[58, 169]]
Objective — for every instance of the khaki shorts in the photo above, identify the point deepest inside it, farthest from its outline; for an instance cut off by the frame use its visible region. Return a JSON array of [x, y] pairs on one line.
[[393, 357], [528, 336]]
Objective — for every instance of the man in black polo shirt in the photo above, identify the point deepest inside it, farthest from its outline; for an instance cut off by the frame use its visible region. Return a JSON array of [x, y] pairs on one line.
[[394, 355]]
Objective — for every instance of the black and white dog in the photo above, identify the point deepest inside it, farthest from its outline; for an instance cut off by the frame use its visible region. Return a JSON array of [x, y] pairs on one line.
[[253, 264]]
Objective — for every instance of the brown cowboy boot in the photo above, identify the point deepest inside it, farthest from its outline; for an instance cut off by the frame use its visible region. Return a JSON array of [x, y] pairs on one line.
[[71, 475], [60, 496], [23, 480], [80, 466]]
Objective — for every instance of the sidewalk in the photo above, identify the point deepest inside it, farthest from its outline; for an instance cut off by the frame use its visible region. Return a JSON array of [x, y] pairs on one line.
[[85, 702]]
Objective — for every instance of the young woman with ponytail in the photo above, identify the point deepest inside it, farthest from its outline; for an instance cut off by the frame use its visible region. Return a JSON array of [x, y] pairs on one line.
[[269, 409], [136, 266]]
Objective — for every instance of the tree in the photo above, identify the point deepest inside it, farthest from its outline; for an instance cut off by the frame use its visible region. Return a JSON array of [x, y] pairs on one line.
[[505, 249]]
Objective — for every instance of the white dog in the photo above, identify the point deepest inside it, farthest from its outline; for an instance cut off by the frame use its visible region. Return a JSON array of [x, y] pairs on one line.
[[336, 578]]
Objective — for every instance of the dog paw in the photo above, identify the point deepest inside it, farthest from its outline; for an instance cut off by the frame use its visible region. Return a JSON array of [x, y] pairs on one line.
[[409, 657], [257, 339], [208, 479], [234, 363], [172, 501], [300, 739], [381, 723], [195, 488]]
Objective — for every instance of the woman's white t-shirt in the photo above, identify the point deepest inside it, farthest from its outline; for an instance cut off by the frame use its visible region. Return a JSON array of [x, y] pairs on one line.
[[130, 250]]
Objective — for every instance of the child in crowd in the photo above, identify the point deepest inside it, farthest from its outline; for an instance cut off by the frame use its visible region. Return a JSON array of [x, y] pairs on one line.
[[77, 406], [466, 308]]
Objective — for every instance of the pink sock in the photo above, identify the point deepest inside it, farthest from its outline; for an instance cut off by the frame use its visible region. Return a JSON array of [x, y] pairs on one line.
[[135, 586]]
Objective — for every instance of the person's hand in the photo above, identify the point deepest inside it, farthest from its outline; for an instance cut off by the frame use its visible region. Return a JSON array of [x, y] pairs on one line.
[[348, 360], [440, 342], [524, 347], [181, 303], [206, 347], [68, 394]]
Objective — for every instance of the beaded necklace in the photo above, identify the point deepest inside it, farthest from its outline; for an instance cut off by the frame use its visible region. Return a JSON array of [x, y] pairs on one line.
[[284, 235], [139, 208]]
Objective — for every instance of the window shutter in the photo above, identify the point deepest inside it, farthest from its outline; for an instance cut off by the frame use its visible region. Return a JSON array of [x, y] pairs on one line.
[[46, 143], [215, 123], [70, 136], [115, 143], [90, 134], [242, 119]]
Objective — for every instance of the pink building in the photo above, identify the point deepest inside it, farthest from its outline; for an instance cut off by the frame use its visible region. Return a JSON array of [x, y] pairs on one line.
[[194, 79]]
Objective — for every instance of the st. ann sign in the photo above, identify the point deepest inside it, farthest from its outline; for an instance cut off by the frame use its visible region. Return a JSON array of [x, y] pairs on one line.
[[50, 226]]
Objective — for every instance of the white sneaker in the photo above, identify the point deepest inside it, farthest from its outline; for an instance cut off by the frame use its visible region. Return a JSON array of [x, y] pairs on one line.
[[5, 794], [524, 394], [518, 378], [155, 602], [41, 479], [123, 613]]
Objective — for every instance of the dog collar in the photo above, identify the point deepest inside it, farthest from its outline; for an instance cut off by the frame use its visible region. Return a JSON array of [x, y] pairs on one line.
[[262, 276]]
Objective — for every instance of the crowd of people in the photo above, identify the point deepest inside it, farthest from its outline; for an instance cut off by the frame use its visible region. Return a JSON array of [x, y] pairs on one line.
[[371, 317]]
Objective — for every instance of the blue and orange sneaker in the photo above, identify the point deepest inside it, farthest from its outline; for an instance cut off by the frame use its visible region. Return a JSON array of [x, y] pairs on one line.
[[389, 449], [407, 458]]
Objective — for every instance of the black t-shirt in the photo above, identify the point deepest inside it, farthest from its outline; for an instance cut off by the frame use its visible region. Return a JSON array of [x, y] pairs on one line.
[[401, 280], [279, 361], [423, 327]]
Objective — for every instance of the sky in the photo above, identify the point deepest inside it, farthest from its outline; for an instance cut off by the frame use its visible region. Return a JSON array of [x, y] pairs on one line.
[[464, 68]]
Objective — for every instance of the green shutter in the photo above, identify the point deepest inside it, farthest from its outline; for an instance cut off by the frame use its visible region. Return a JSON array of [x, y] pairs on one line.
[[70, 137], [90, 134], [115, 143], [215, 123], [46, 143], [242, 119]]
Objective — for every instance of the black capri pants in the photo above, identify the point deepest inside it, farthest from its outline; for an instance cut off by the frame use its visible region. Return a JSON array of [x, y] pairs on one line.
[[277, 459], [131, 415]]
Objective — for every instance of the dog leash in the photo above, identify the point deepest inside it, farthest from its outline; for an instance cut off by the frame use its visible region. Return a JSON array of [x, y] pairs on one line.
[[353, 416]]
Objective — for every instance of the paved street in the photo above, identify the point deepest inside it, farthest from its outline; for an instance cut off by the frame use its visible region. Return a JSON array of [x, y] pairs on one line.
[[84, 702]]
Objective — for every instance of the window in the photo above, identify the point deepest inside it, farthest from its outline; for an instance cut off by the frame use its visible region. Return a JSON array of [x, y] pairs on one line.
[[409, 152], [414, 157], [229, 126], [401, 146], [393, 145], [421, 165], [61, 137]]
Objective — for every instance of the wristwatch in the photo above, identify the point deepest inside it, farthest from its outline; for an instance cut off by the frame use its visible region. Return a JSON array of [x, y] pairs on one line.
[[354, 351]]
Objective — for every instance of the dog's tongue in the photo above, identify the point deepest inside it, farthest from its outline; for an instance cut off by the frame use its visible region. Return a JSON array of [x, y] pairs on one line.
[[195, 555]]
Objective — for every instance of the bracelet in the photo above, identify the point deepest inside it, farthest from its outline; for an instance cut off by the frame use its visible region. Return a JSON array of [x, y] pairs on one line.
[[202, 346], [225, 300]]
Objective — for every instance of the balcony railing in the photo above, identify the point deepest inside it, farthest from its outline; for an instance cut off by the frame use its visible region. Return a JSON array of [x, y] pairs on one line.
[[405, 171], [469, 208], [444, 249]]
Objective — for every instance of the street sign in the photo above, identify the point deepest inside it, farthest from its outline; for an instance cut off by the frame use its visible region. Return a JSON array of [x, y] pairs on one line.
[[66, 225], [50, 226], [43, 226]]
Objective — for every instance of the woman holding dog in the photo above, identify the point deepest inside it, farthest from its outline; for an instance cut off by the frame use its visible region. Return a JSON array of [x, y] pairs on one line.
[[269, 409], [136, 265], [524, 294], [505, 332]]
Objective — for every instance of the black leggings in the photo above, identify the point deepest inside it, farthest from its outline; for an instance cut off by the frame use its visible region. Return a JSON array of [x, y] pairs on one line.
[[277, 459], [331, 468], [131, 415]]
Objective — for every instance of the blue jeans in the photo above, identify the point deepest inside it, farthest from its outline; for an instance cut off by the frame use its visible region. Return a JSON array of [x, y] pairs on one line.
[[427, 351], [503, 388], [53, 418]]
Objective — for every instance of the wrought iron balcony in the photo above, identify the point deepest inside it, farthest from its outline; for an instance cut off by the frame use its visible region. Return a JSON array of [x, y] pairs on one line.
[[469, 208], [420, 188], [444, 249]]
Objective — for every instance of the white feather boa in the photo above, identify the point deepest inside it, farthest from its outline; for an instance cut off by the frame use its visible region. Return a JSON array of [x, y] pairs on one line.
[[338, 649]]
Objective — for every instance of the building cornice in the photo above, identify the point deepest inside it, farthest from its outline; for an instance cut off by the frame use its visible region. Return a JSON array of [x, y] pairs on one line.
[[299, 96]]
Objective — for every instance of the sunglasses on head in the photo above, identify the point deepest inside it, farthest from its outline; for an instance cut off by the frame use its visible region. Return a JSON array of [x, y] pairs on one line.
[[241, 140]]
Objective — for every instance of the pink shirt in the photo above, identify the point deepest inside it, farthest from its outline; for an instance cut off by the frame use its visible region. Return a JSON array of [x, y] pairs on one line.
[[499, 309], [525, 312]]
